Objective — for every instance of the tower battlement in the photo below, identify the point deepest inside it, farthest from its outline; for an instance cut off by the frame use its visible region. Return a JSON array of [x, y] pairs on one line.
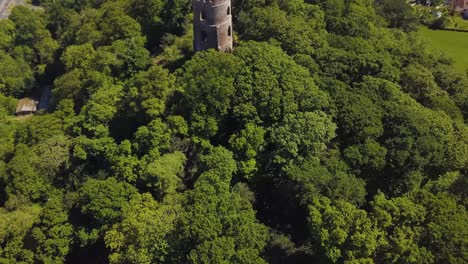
[[212, 25]]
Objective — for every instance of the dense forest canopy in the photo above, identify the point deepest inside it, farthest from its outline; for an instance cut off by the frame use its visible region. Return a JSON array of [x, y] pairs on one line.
[[331, 134]]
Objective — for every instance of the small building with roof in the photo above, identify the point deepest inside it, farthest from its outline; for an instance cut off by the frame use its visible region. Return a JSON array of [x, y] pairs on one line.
[[26, 106]]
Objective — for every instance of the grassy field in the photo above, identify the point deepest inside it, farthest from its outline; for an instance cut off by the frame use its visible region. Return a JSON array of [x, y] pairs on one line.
[[454, 44]]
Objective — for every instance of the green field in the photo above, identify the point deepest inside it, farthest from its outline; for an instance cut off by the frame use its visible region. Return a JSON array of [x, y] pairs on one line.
[[454, 44]]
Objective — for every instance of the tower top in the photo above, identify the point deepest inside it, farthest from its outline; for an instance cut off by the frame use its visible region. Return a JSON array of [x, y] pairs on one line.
[[213, 2], [212, 25]]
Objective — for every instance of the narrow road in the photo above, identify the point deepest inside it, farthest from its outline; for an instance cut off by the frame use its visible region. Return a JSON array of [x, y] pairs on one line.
[[4, 4], [7, 5]]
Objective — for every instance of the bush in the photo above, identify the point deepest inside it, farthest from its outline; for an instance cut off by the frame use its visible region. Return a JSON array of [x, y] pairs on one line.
[[441, 23]]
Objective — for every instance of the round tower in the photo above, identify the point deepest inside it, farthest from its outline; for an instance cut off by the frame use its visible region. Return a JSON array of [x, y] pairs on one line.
[[212, 25]]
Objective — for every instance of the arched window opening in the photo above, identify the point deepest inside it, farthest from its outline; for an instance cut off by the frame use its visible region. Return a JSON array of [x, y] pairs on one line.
[[202, 15], [204, 36], [229, 31], [229, 11]]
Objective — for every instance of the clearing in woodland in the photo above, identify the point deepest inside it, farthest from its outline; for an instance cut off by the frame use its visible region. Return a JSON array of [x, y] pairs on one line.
[[453, 43]]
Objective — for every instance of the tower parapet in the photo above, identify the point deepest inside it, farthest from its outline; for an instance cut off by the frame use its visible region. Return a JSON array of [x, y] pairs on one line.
[[212, 25]]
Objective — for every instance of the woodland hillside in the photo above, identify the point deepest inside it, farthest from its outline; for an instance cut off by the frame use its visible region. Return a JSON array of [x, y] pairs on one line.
[[330, 134]]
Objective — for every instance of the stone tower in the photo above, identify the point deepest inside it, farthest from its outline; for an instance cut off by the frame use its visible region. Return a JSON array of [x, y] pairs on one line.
[[212, 25]]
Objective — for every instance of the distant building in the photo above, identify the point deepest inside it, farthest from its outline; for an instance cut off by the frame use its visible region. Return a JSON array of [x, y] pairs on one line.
[[460, 5], [26, 106], [212, 25]]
